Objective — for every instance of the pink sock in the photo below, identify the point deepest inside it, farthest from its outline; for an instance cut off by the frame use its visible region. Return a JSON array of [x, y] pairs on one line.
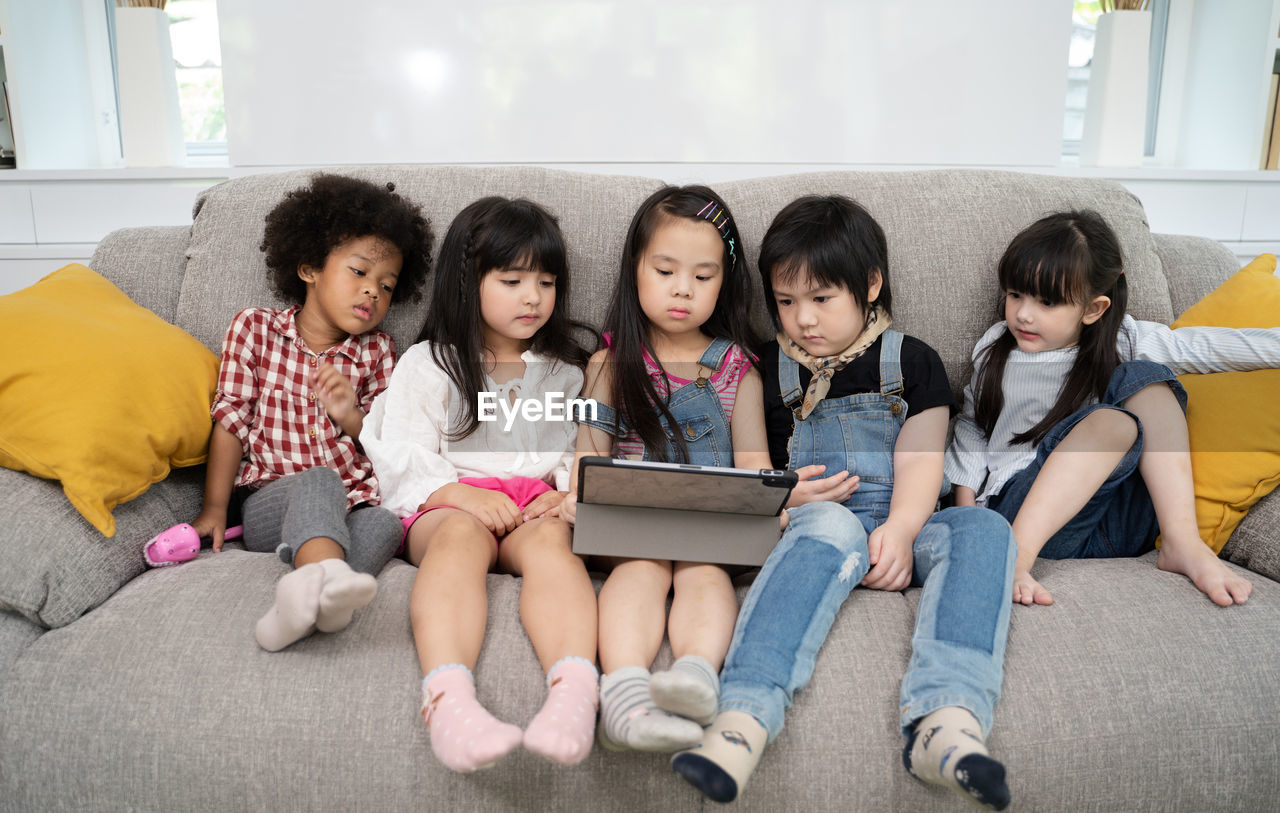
[[464, 736], [564, 729]]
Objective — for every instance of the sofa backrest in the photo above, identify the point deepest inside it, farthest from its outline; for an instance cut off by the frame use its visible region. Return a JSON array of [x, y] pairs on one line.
[[946, 230]]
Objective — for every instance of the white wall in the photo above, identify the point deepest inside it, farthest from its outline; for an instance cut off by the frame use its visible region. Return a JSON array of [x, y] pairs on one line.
[[738, 81]]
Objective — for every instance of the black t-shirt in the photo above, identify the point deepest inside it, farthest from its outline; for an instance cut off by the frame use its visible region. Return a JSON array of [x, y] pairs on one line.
[[924, 386]]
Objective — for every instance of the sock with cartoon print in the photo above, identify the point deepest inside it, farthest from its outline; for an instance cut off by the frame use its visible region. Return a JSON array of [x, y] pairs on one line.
[[563, 730], [630, 719], [720, 766], [690, 688], [946, 748]]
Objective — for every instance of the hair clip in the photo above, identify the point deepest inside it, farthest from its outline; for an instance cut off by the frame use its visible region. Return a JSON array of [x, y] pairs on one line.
[[714, 214]]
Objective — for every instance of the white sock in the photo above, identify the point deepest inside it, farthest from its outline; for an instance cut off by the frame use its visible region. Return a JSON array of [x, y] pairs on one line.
[[630, 719], [344, 592], [293, 616], [946, 748], [730, 751], [690, 688]]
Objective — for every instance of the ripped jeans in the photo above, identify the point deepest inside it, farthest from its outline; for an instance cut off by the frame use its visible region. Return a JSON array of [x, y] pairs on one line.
[[963, 559]]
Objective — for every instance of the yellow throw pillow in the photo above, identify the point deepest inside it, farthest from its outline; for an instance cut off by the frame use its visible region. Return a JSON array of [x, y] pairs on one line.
[[1233, 419], [98, 392]]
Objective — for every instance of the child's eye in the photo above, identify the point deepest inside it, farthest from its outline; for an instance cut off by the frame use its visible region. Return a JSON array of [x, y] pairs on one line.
[[662, 272], [511, 282], [821, 299], [546, 283], [358, 272], [782, 303], [387, 288], [1046, 303], [703, 278]]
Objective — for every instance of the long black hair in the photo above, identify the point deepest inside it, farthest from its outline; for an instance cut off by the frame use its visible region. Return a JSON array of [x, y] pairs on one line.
[[833, 240], [493, 233], [1067, 257], [635, 398]]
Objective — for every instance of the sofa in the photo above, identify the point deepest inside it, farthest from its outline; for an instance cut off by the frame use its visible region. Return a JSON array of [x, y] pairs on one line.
[[126, 688]]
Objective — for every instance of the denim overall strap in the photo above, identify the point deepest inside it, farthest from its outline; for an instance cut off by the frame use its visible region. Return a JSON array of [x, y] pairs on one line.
[[891, 363], [714, 355], [789, 381], [606, 420]]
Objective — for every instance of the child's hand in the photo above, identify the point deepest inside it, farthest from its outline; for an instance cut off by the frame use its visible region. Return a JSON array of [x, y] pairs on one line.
[[811, 488], [546, 504], [211, 524], [784, 519], [335, 392], [495, 510], [569, 508], [1027, 590], [890, 548]]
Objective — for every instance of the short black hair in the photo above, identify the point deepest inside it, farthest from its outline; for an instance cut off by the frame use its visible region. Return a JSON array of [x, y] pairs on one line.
[[315, 219], [832, 239]]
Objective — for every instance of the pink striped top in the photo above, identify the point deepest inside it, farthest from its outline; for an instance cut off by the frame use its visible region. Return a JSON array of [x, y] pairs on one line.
[[724, 381]]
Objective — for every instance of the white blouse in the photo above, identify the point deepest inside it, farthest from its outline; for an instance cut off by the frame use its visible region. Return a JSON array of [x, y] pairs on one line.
[[1032, 382], [404, 432]]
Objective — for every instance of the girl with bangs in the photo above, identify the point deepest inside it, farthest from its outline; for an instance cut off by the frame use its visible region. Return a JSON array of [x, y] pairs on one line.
[[480, 487], [1074, 424], [675, 383]]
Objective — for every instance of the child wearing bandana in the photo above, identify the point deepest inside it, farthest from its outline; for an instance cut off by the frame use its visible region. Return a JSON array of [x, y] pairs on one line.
[[846, 396]]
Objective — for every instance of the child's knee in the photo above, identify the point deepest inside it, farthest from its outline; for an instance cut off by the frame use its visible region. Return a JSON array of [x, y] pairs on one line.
[[831, 524], [1110, 429]]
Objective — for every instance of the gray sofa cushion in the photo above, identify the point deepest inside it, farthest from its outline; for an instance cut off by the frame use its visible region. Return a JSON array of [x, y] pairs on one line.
[[226, 271], [55, 566], [165, 678], [1255, 544], [147, 264]]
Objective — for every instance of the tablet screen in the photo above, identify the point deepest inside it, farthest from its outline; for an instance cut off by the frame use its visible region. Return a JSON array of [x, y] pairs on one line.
[[643, 484]]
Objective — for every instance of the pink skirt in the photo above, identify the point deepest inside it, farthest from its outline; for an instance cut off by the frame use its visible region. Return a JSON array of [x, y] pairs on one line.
[[521, 490]]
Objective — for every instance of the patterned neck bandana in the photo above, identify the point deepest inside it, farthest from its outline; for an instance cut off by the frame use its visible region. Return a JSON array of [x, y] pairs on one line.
[[824, 367]]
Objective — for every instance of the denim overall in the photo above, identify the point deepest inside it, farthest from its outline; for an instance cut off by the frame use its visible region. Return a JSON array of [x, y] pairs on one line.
[[700, 417], [963, 558]]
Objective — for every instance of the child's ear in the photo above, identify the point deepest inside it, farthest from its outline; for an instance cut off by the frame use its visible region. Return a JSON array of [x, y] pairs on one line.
[[1094, 310], [306, 273], [874, 281]]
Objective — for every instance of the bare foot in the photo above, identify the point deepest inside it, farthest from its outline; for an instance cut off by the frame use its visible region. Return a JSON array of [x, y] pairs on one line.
[[1197, 562], [1027, 590]]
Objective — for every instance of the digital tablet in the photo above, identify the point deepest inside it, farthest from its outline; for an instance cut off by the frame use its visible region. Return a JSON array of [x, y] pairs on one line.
[[683, 512]]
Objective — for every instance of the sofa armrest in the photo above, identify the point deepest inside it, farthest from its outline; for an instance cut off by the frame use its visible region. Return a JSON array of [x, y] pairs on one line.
[[1193, 266], [147, 264]]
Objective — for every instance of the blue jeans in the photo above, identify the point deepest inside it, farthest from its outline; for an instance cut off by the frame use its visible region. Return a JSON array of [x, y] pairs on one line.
[[964, 558], [1119, 519]]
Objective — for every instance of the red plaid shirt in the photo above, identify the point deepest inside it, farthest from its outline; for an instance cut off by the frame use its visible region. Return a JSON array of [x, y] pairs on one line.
[[264, 400]]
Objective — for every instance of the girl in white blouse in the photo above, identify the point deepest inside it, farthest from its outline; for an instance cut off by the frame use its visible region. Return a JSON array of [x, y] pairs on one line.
[[1073, 425], [471, 443]]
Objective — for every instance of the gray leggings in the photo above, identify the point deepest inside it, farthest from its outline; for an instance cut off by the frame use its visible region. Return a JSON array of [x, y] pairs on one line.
[[288, 512]]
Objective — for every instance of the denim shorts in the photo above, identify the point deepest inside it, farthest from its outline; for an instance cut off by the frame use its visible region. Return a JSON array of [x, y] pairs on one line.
[[1119, 520]]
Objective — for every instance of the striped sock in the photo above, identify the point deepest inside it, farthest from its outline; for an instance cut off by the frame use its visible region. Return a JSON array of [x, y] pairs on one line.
[[630, 719], [690, 688]]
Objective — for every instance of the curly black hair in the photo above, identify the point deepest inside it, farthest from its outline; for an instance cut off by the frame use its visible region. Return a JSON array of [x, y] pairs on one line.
[[314, 219]]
